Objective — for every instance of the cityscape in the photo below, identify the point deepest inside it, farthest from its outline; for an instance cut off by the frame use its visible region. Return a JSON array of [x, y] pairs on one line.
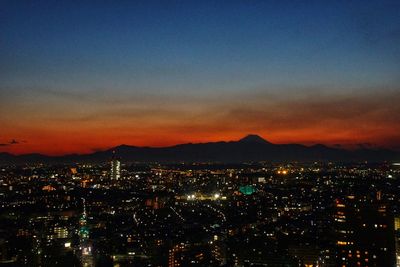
[[200, 214], [211, 133]]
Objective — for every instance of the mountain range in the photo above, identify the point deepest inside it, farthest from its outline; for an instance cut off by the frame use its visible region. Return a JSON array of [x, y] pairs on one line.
[[250, 148]]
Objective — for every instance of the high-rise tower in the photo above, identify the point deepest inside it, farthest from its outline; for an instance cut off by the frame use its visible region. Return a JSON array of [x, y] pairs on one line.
[[365, 232], [115, 168]]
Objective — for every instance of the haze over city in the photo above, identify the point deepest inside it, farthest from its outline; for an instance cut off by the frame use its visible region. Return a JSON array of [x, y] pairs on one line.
[[78, 77]]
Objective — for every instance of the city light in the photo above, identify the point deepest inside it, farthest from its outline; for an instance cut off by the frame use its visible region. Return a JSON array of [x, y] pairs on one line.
[[200, 133]]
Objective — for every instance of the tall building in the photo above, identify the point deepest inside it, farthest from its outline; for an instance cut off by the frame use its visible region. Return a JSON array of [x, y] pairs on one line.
[[364, 232], [175, 257], [115, 168], [218, 249], [397, 238]]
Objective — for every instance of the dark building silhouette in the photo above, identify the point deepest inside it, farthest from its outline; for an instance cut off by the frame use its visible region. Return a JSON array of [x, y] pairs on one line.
[[364, 232]]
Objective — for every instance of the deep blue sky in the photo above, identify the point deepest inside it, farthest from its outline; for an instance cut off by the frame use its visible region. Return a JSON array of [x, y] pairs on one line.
[[183, 55]]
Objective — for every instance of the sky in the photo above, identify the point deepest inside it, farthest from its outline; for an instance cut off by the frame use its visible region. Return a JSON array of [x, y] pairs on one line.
[[82, 76]]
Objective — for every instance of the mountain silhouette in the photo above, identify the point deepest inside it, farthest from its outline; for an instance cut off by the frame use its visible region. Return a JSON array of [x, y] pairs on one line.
[[250, 148], [253, 138]]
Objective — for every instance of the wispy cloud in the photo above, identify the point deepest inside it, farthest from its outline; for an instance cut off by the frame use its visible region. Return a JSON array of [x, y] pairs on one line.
[[13, 142]]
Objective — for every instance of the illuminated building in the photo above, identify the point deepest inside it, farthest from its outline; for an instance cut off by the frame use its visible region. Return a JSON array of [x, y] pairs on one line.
[[397, 239], [115, 168], [60, 232], [84, 243], [219, 249], [174, 257], [247, 189], [73, 171], [364, 233]]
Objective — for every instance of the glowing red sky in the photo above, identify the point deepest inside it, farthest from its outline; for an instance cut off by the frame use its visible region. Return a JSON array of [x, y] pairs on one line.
[[78, 125]]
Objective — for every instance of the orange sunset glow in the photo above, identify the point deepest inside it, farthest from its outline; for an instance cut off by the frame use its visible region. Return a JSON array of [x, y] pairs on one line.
[[346, 121]]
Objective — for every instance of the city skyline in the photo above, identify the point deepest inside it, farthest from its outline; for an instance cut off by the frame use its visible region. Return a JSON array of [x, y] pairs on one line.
[[82, 77], [211, 133]]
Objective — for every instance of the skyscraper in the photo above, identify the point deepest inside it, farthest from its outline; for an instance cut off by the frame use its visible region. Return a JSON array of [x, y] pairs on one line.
[[115, 167], [364, 231], [397, 239]]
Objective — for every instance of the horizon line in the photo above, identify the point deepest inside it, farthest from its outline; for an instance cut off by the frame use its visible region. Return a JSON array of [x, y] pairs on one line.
[[351, 147]]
